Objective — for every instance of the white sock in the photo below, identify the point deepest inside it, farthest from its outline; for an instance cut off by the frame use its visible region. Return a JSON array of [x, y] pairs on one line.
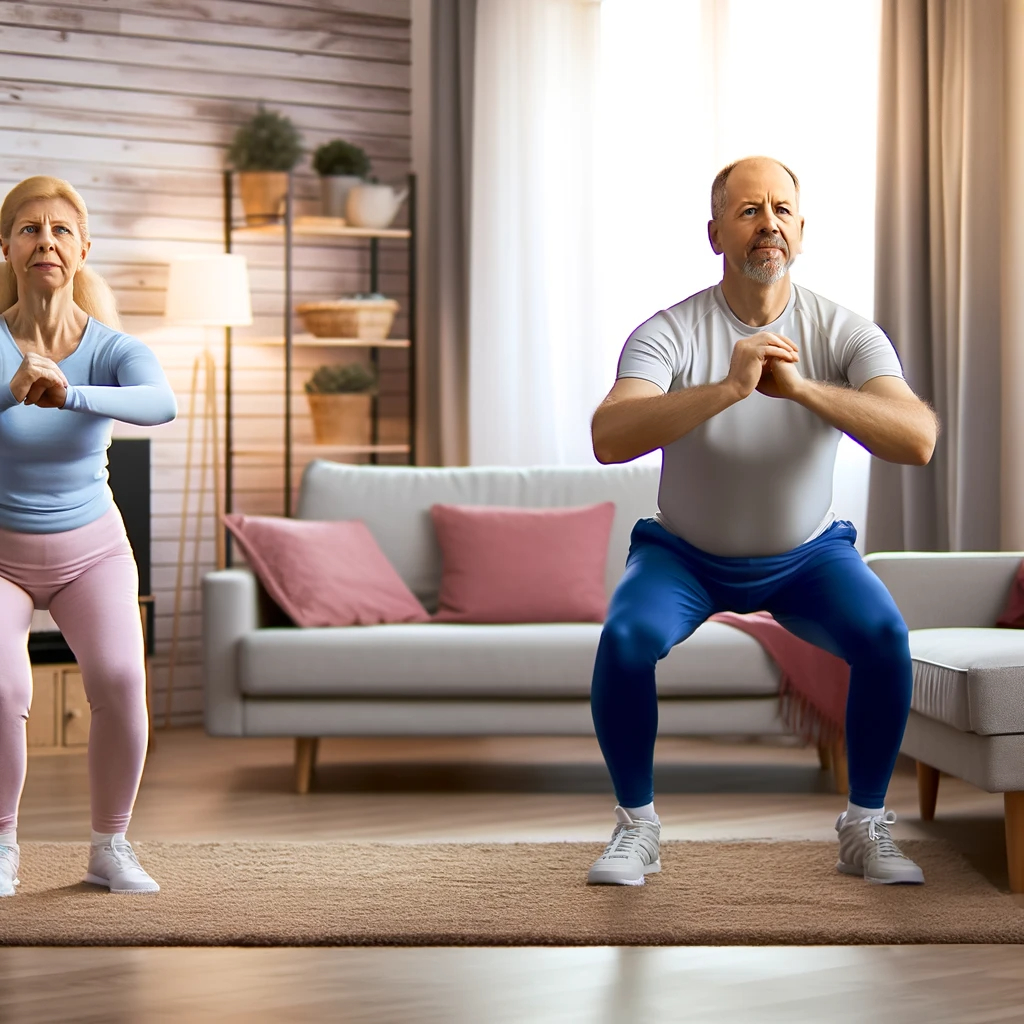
[[105, 838], [9, 838], [646, 812], [854, 812]]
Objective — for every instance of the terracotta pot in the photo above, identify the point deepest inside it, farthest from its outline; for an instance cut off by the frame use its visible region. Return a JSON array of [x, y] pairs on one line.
[[263, 195], [341, 419]]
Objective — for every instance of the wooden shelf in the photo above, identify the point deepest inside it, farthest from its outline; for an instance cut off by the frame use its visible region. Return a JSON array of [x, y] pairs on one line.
[[312, 341], [324, 449], [318, 227]]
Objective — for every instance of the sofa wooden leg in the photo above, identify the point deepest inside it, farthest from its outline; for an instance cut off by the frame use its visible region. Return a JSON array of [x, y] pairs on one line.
[[1013, 803], [927, 790], [305, 761], [825, 756], [839, 773]]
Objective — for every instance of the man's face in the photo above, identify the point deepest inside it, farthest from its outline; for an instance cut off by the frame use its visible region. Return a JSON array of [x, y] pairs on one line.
[[760, 232]]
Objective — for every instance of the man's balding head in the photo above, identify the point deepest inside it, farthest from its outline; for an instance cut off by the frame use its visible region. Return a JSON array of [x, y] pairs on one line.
[[756, 224], [719, 187]]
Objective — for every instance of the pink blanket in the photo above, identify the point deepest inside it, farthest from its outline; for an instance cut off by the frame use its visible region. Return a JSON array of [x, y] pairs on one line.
[[1013, 613], [814, 682]]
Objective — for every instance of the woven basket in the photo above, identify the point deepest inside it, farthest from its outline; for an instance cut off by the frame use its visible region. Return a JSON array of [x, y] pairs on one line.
[[349, 318]]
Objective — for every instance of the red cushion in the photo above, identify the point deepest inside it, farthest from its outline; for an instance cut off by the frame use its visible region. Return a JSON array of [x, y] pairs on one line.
[[1013, 613], [324, 573], [523, 564]]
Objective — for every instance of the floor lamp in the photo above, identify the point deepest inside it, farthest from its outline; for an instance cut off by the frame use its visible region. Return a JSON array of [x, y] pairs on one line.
[[208, 292]]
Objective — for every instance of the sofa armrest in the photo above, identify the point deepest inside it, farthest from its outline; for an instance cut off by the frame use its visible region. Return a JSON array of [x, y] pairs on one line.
[[936, 589], [230, 611]]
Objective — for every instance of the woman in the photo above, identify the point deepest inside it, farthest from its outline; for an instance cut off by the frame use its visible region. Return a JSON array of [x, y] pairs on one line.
[[67, 373]]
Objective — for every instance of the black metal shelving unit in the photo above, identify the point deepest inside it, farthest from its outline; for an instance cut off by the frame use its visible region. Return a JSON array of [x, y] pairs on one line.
[[290, 230]]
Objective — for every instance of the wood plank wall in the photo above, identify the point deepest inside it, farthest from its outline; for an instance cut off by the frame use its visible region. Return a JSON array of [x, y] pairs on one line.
[[135, 102]]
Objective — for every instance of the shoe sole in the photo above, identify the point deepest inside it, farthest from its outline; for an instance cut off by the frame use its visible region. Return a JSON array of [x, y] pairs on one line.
[[96, 880], [850, 869], [650, 869]]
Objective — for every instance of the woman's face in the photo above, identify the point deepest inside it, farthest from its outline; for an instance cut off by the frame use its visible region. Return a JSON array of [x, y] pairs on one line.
[[46, 248]]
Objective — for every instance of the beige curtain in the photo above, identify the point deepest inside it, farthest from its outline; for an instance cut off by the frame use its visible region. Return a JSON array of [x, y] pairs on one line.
[[444, 349], [943, 242], [1012, 525]]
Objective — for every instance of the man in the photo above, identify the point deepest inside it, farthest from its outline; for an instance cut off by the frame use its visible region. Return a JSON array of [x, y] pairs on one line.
[[746, 387]]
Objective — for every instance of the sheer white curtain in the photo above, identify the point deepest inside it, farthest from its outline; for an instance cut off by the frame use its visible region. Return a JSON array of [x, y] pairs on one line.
[[534, 368], [688, 86], [597, 132]]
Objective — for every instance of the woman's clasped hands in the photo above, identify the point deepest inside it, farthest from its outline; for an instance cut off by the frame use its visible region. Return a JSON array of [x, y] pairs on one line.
[[39, 381]]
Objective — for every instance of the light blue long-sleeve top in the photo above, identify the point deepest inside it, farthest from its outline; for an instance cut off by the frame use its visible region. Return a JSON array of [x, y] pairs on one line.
[[53, 462]]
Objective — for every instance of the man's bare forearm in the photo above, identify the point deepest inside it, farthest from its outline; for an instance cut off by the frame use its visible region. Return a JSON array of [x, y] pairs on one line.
[[626, 428], [891, 429]]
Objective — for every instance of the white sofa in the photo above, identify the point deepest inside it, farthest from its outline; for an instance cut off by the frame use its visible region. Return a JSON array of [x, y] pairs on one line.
[[967, 713], [263, 677]]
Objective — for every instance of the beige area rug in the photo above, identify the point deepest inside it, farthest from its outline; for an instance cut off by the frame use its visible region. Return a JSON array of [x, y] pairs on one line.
[[302, 894]]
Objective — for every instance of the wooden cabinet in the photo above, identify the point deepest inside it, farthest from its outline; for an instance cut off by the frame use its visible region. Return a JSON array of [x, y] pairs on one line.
[[58, 722]]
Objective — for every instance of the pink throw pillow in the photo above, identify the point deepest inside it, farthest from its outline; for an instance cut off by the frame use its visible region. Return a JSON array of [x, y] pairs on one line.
[[324, 573], [523, 564], [1013, 613]]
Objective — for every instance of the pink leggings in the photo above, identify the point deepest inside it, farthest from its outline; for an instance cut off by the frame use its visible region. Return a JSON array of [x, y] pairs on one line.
[[88, 579]]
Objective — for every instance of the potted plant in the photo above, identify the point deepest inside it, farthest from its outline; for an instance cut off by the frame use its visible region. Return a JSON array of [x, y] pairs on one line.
[[264, 151], [340, 165], [340, 401]]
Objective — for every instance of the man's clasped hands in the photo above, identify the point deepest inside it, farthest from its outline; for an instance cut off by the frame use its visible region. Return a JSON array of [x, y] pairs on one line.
[[766, 362]]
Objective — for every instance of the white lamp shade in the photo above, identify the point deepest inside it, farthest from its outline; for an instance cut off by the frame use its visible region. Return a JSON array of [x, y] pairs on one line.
[[209, 291]]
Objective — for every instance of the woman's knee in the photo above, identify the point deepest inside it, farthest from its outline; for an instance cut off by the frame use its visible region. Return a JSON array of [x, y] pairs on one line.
[[15, 675], [118, 685], [15, 691]]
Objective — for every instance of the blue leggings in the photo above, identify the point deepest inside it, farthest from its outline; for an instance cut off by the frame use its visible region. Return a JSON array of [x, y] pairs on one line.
[[821, 591]]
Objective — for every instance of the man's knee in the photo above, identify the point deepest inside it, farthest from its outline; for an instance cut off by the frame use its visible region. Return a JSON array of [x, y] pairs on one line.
[[885, 637], [630, 639]]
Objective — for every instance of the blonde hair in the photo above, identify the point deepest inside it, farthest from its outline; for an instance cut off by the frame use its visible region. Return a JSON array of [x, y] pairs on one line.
[[91, 293]]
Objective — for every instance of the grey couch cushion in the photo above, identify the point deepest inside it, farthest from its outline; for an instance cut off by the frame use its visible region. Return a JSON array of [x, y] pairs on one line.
[[517, 661], [970, 678]]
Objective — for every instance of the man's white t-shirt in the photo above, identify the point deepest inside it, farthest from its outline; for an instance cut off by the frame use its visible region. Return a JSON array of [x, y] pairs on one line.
[[756, 479]]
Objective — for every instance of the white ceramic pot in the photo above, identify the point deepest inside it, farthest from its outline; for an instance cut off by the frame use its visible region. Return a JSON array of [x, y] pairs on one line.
[[334, 190], [373, 206]]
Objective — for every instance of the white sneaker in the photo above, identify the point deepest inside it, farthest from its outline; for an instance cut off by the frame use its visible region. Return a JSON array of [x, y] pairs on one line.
[[631, 854], [10, 859], [866, 848], [116, 866]]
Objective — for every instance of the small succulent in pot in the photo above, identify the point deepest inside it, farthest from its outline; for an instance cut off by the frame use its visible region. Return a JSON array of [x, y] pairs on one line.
[[346, 379], [341, 166], [340, 403], [268, 141], [339, 157], [264, 151]]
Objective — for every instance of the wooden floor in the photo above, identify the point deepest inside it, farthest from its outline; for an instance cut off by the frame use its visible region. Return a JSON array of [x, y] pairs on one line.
[[500, 789]]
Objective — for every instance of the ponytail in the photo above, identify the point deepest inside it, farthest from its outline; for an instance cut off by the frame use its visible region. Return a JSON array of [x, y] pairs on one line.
[[91, 293], [8, 286]]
